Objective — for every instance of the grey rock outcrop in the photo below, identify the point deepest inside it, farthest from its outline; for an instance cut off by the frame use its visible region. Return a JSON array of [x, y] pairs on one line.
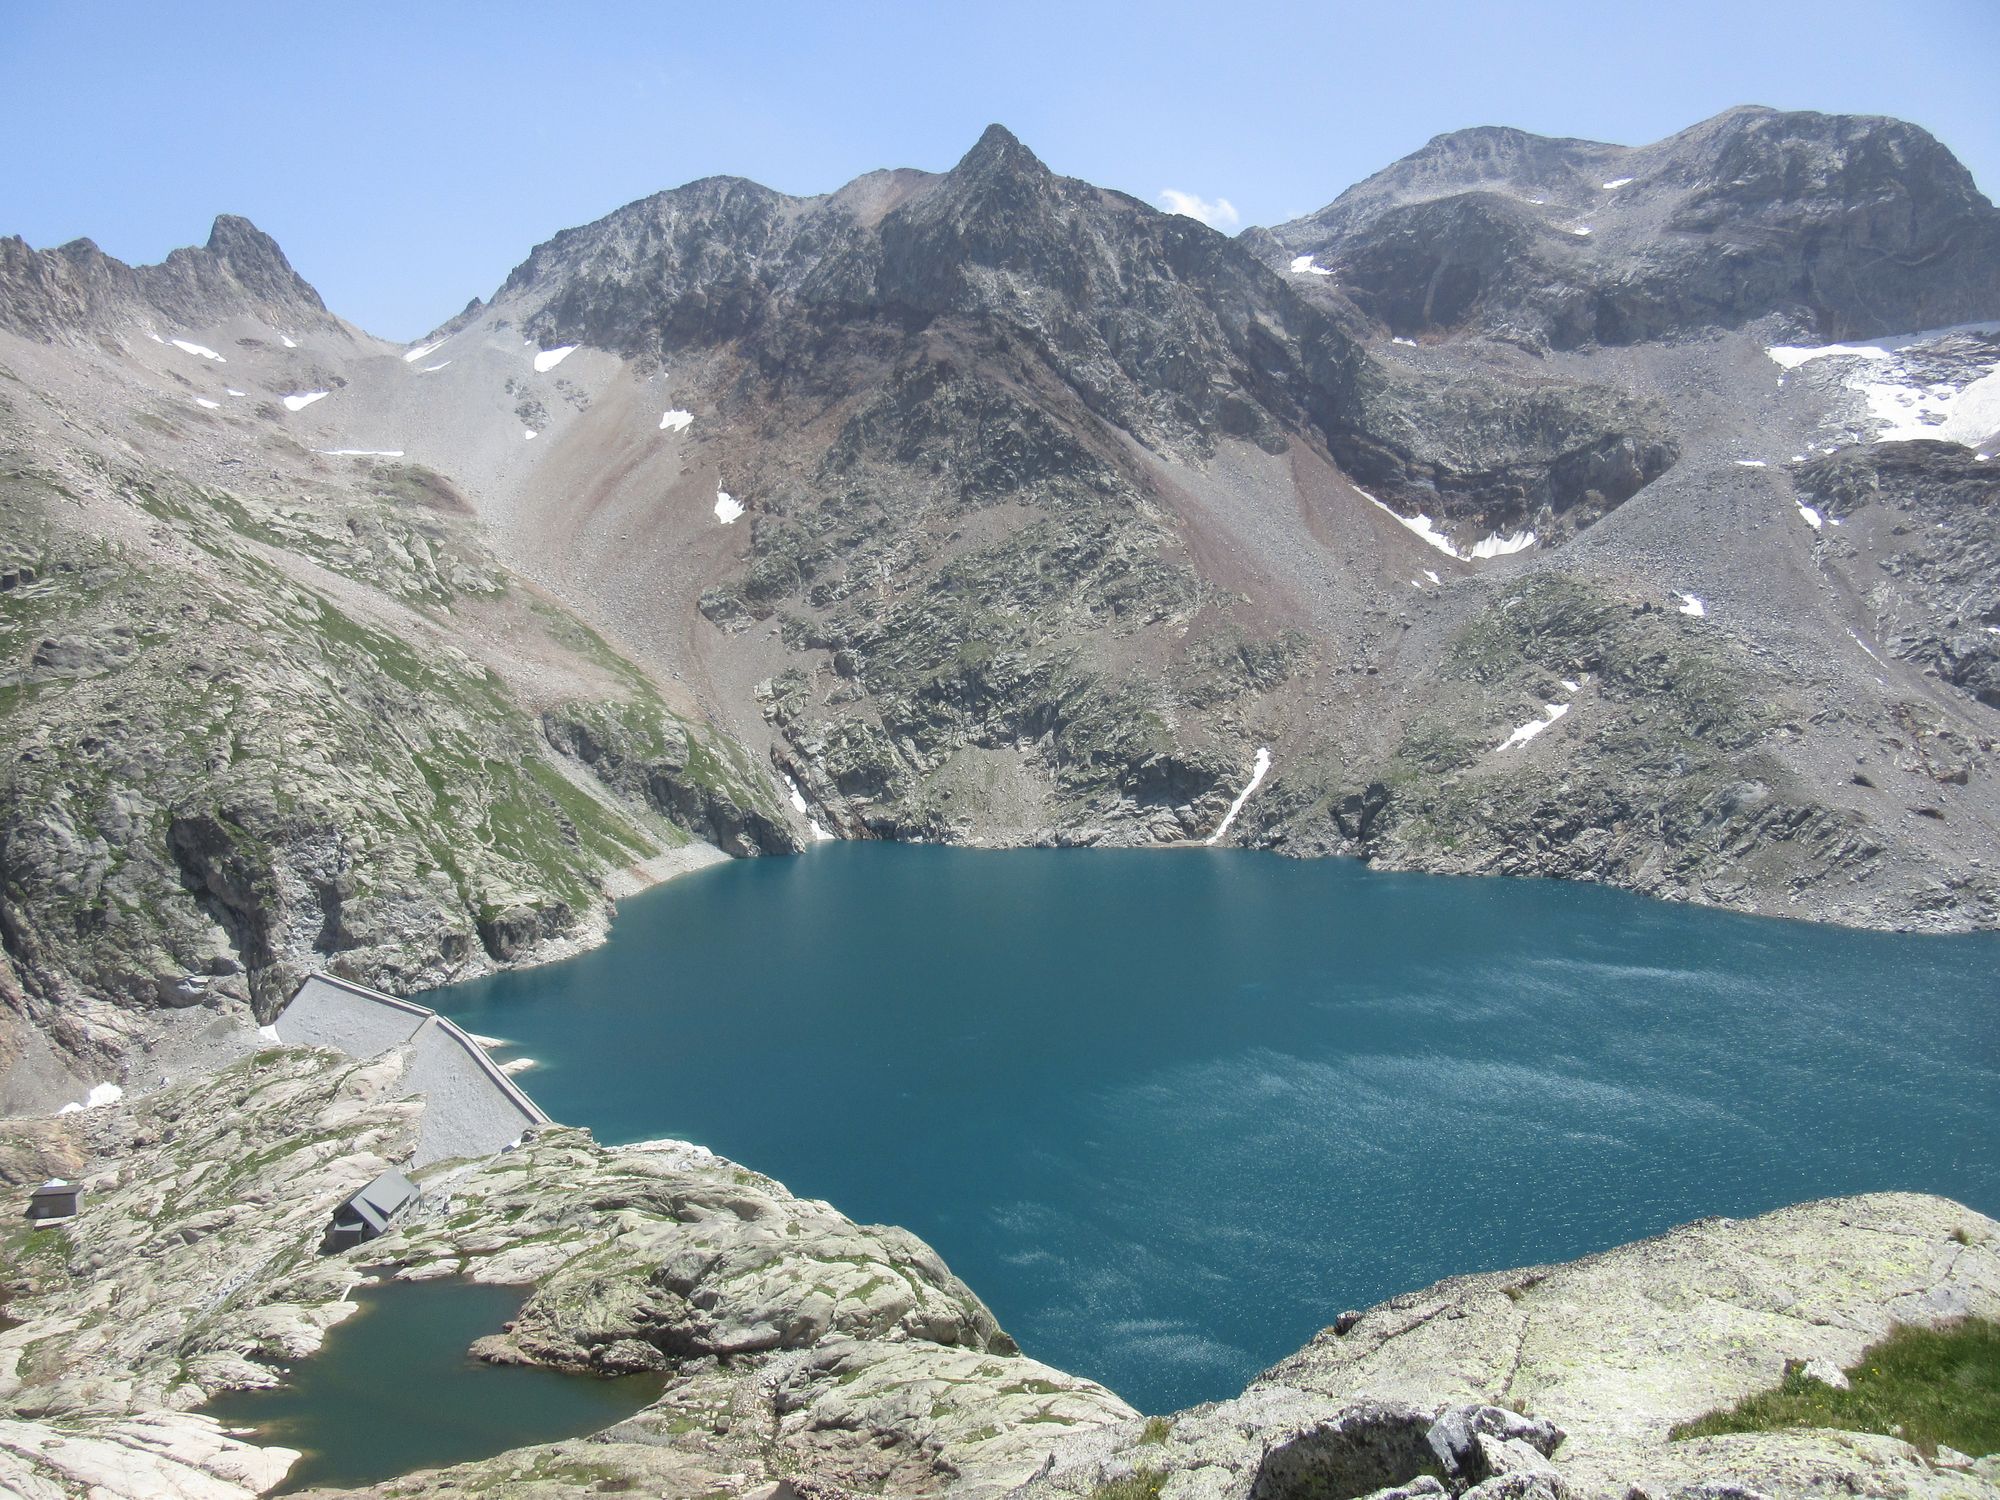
[[1565, 1381], [791, 1338], [1920, 543]]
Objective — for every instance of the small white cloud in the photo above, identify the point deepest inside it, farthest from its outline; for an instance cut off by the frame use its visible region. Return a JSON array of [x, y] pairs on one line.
[[1214, 214]]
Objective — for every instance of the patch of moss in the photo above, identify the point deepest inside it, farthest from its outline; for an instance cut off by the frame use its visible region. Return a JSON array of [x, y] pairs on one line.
[[1435, 747], [1929, 1386], [1141, 1484]]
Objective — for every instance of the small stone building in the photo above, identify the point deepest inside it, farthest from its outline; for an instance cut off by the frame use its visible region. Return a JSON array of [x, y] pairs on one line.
[[54, 1201], [367, 1214]]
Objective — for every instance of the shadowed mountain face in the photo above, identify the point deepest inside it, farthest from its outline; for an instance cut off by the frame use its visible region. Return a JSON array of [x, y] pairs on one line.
[[1163, 330], [1847, 226], [990, 506], [975, 398]]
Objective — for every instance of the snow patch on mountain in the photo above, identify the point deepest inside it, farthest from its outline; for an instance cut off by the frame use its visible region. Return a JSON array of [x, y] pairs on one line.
[[300, 400], [1791, 356], [1910, 411], [1420, 524], [100, 1095], [548, 359], [1259, 767], [1497, 545], [1940, 383], [798, 800], [1551, 713]]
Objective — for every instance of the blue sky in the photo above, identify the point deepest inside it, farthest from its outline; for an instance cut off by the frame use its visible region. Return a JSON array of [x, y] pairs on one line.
[[407, 156]]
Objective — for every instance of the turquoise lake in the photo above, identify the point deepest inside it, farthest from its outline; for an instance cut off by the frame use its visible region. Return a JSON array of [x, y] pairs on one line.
[[1169, 1112]]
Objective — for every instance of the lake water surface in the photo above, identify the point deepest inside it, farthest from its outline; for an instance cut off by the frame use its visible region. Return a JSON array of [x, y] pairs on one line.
[[393, 1389], [1170, 1112]]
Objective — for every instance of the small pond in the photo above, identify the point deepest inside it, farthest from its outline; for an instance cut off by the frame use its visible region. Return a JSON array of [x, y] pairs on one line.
[[393, 1390]]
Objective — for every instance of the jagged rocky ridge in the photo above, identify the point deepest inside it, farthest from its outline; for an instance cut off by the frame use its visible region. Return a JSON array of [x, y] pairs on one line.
[[77, 289], [1055, 505], [978, 353]]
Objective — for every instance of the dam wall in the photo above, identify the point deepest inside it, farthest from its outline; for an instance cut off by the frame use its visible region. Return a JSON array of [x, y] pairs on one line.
[[471, 1108]]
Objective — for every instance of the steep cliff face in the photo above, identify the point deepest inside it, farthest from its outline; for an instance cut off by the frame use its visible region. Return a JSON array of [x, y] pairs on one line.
[[1920, 544], [266, 710]]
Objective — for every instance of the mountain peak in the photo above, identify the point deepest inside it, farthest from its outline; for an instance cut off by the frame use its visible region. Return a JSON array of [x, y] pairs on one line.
[[1848, 225], [252, 258], [233, 232], [998, 150]]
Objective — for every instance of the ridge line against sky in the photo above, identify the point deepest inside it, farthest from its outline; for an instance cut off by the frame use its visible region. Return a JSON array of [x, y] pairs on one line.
[[407, 157]]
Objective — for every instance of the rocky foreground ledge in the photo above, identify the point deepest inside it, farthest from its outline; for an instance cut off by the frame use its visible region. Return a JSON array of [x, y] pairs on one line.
[[793, 1340], [799, 1346], [1565, 1380]]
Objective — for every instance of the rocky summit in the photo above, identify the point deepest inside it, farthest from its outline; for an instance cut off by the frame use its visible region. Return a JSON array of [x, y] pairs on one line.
[[1537, 507]]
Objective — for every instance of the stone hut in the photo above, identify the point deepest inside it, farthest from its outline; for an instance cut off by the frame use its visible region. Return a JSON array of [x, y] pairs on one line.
[[367, 1214], [54, 1201]]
